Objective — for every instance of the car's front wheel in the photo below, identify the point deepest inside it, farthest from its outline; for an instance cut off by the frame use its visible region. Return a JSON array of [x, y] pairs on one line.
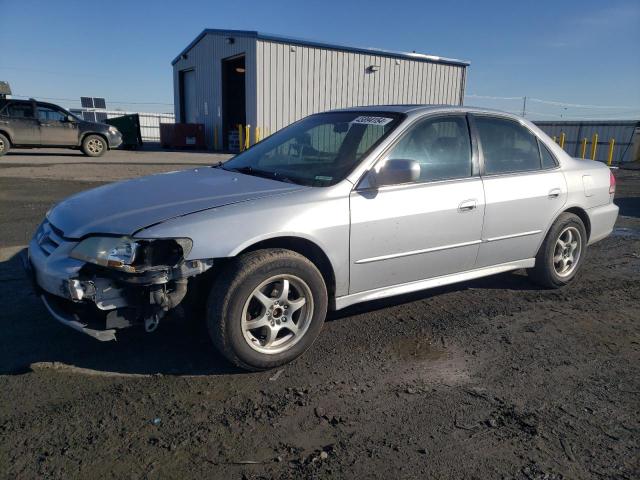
[[562, 253], [266, 308], [94, 146], [5, 145]]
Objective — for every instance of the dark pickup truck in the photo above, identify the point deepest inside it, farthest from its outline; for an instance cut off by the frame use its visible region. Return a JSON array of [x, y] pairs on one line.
[[29, 123]]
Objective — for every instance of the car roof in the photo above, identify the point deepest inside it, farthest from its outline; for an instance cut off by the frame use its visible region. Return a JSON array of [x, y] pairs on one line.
[[15, 100], [423, 108]]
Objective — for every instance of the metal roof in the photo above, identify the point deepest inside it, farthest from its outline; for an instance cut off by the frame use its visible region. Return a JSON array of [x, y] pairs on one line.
[[313, 43]]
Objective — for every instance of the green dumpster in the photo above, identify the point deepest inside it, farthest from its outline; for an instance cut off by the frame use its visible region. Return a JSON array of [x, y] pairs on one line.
[[129, 126]]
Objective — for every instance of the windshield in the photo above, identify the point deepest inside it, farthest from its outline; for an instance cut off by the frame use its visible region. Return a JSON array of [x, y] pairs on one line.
[[319, 150]]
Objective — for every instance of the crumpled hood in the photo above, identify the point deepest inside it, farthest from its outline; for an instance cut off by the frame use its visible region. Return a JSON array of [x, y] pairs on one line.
[[125, 207]]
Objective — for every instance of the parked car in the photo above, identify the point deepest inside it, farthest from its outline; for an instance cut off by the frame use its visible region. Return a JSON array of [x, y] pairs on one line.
[[338, 208], [28, 124]]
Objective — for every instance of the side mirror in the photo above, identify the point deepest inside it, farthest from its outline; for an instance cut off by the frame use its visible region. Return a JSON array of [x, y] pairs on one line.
[[69, 119], [395, 172]]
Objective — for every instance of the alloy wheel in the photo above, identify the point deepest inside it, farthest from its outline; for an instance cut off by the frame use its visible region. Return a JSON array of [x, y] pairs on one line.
[[277, 314], [95, 146], [566, 254]]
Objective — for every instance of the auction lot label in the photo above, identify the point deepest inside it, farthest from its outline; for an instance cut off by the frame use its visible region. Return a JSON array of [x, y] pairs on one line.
[[364, 120]]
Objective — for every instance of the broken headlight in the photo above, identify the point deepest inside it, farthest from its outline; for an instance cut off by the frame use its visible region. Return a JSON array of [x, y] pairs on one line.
[[129, 255]]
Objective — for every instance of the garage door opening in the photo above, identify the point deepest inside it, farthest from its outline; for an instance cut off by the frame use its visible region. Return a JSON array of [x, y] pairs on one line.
[[188, 105], [233, 98]]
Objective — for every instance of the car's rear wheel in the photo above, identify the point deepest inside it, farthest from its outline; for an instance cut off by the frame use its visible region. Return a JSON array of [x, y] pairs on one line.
[[94, 146], [5, 145], [562, 253], [266, 308]]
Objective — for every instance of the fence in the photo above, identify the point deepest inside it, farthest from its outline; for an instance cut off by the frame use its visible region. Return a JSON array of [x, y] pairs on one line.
[[149, 122], [613, 142]]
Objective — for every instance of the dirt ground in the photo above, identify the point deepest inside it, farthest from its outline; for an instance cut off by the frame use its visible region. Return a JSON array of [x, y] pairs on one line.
[[494, 378]]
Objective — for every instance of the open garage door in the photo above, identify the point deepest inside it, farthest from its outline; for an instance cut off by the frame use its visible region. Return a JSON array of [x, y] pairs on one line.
[[189, 107], [233, 96]]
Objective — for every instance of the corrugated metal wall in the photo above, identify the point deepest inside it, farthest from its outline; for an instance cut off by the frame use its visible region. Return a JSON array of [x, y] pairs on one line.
[[288, 81], [205, 58], [575, 131], [294, 81]]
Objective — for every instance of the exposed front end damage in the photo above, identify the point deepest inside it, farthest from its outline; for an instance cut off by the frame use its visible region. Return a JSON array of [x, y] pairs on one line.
[[100, 297]]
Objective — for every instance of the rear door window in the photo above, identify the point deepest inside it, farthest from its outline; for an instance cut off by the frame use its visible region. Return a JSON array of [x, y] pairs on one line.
[[548, 160], [18, 110], [507, 146]]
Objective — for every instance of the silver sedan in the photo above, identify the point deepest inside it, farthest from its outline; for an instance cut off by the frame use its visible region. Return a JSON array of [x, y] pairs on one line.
[[338, 208]]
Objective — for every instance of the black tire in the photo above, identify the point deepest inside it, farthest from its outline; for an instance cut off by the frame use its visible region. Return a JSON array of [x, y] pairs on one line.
[[94, 146], [545, 272], [5, 144], [235, 288]]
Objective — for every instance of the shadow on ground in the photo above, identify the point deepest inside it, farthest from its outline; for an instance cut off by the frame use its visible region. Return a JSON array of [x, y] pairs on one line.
[[30, 153], [31, 336]]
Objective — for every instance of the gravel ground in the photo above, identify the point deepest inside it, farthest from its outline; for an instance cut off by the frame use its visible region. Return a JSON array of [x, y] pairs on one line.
[[493, 378]]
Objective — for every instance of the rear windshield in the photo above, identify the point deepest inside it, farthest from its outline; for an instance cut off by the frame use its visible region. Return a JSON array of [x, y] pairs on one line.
[[319, 150]]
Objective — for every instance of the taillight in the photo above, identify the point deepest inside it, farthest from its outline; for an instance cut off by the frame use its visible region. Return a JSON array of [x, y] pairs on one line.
[[612, 183]]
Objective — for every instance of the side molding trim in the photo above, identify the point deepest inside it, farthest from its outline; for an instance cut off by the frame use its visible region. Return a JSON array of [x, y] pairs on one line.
[[384, 292]]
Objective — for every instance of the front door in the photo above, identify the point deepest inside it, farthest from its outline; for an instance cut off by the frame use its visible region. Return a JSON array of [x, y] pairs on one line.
[[409, 232], [21, 123], [524, 190], [55, 127]]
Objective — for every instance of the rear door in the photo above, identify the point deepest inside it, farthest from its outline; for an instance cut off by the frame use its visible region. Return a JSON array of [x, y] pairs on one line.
[[414, 231], [55, 128], [524, 189], [19, 119]]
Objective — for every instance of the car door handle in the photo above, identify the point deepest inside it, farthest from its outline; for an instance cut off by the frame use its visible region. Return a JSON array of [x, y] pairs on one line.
[[554, 193], [467, 205]]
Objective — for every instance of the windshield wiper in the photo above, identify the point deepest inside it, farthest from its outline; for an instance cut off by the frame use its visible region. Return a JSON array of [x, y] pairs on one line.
[[247, 170], [283, 178]]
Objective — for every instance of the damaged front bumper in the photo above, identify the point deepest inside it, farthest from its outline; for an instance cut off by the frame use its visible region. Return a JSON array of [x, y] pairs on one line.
[[96, 300]]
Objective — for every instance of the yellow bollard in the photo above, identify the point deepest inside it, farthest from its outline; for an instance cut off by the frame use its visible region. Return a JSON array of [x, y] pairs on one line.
[[584, 148], [247, 137], [563, 136], [240, 142], [257, 134], [612, 144], [215, 137], [594, 146]]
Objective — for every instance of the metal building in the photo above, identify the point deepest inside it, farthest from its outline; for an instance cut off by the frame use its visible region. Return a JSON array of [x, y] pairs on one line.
[[224, 78], [579, 137]]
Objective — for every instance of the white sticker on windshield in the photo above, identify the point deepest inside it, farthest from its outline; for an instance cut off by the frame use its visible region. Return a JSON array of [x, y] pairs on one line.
[[366, 120]]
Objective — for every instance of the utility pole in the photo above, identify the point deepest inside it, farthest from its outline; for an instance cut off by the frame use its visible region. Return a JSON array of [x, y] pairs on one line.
[[524, 106]]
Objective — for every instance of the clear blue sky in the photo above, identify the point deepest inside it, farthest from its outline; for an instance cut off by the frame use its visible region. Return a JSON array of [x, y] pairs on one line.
[[573, 51]]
